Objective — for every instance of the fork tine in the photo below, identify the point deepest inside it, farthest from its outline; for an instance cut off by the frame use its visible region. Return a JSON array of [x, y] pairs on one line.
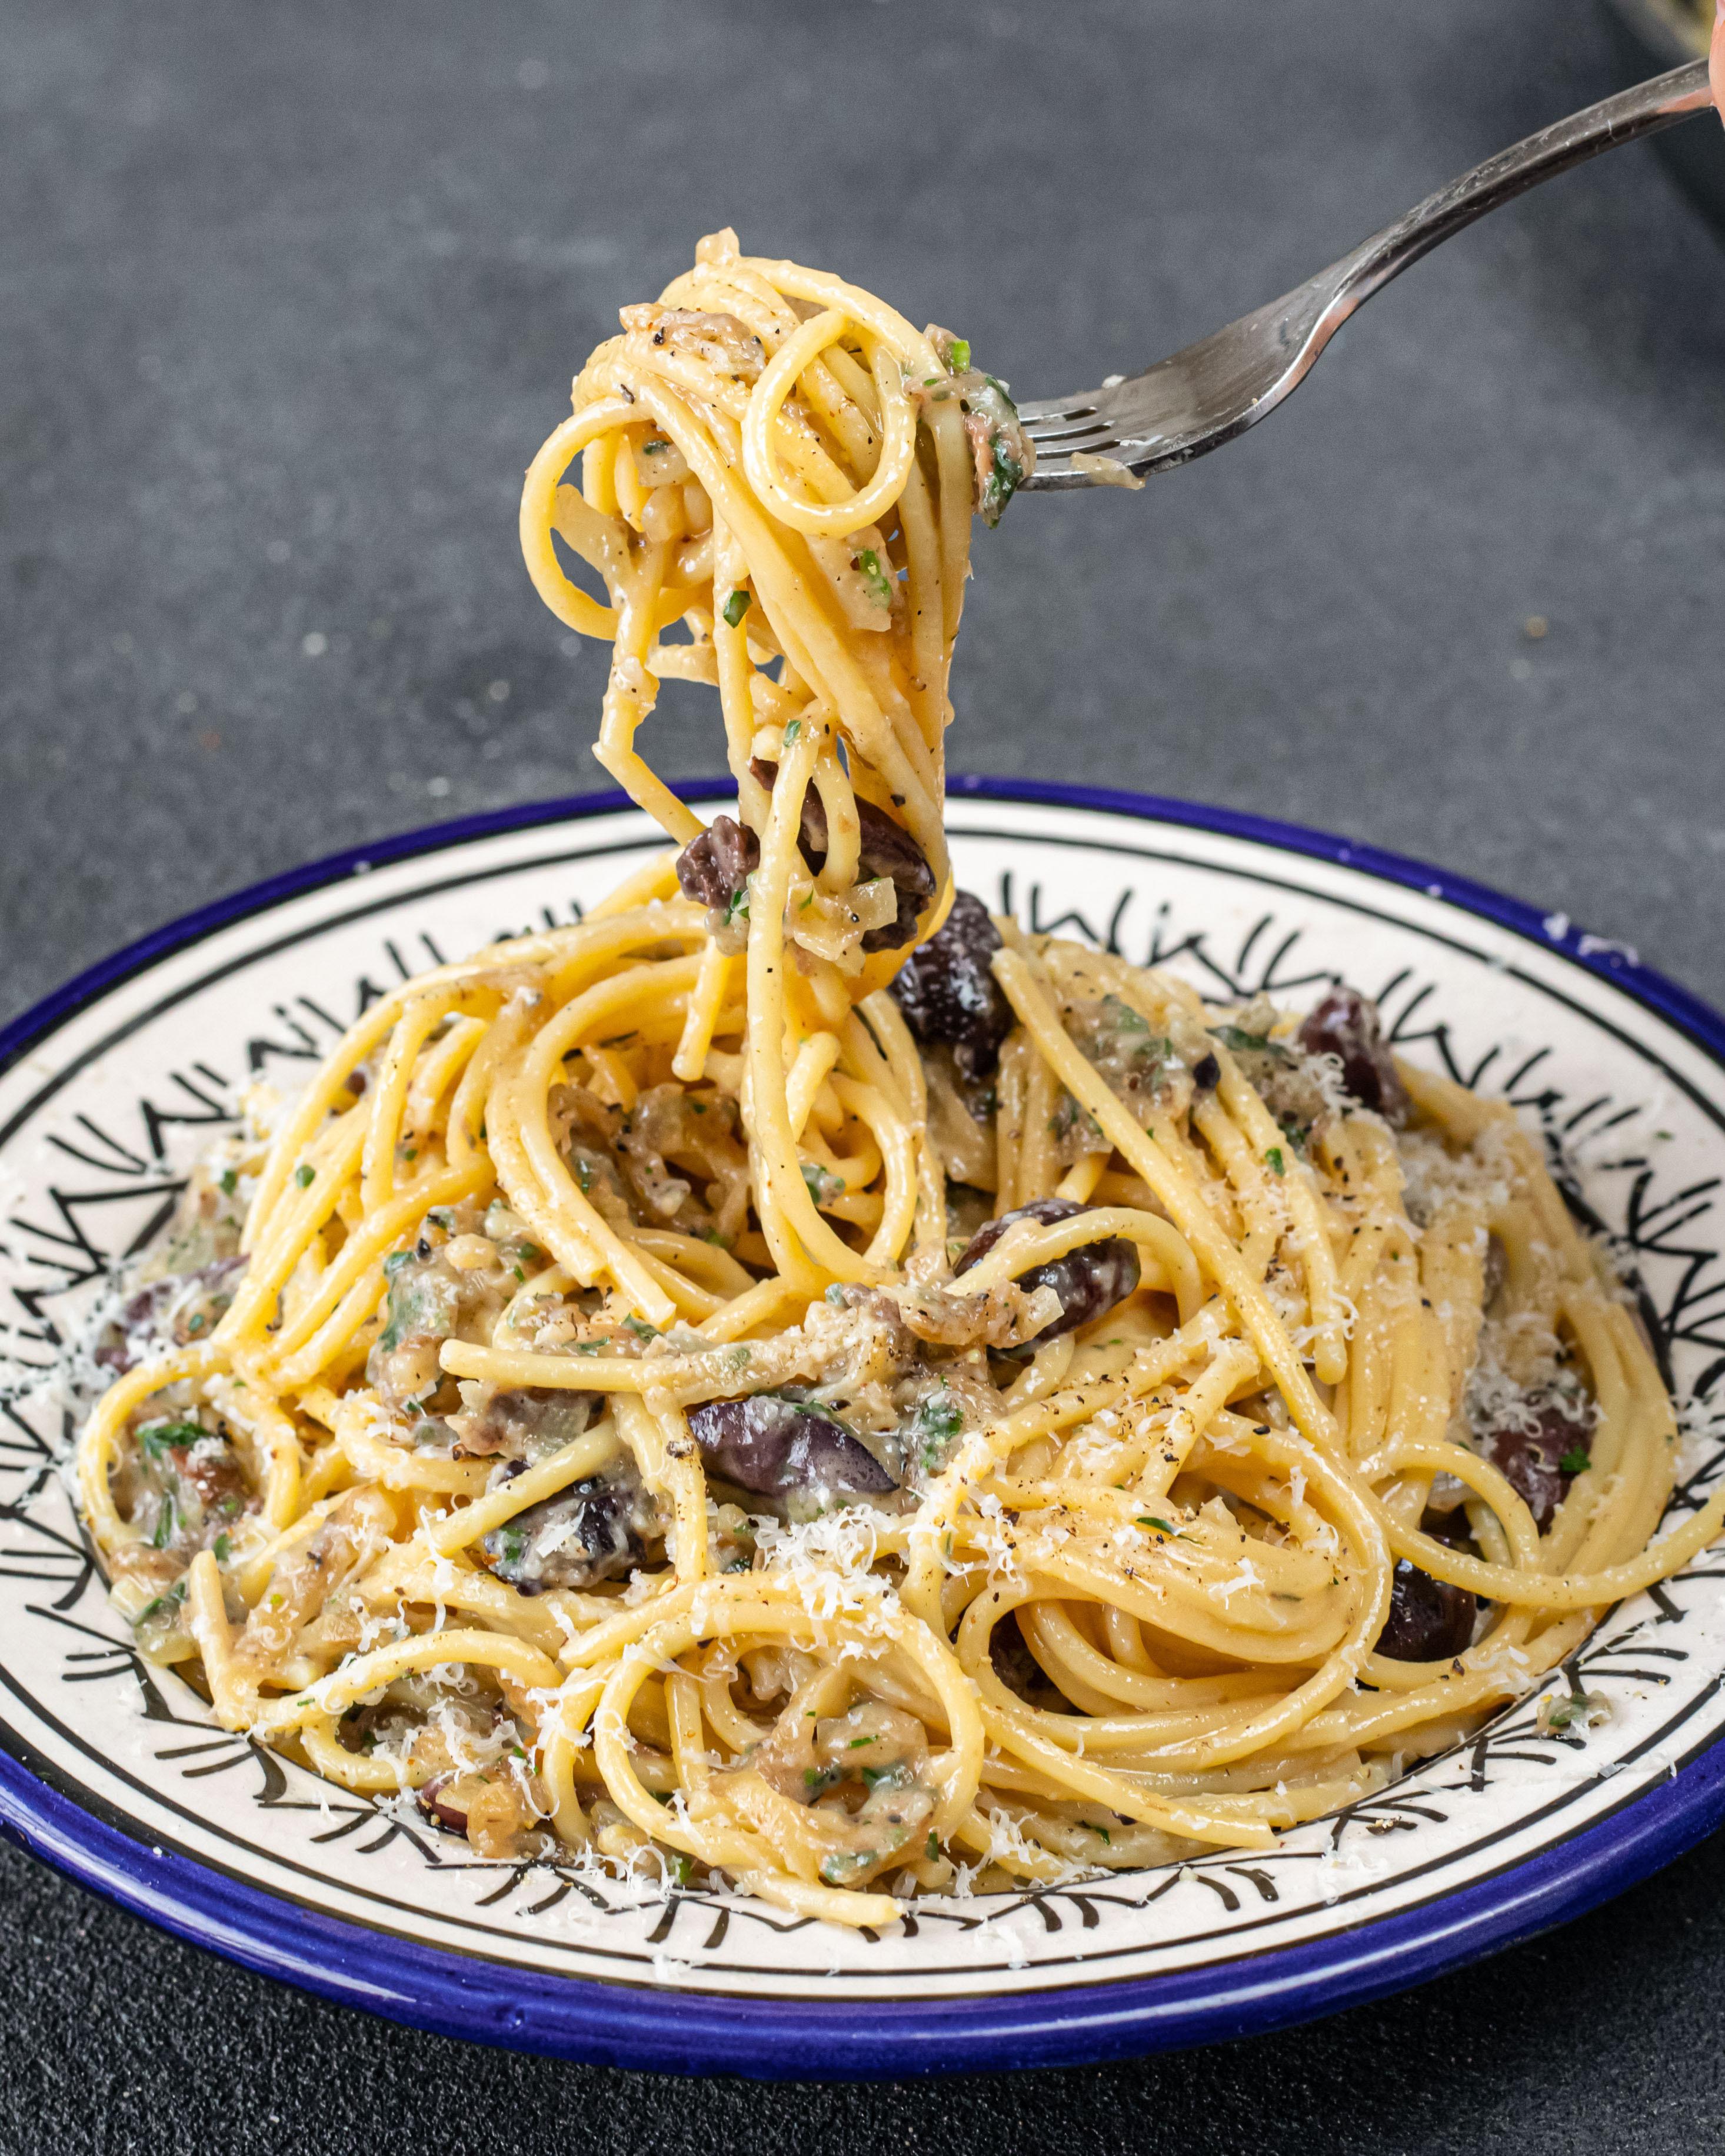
[[1046, 411], [1073, 435], [1197, 398]]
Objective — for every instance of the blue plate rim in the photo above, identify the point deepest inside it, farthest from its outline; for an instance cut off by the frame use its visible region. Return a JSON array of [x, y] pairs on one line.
[[691, 2031]]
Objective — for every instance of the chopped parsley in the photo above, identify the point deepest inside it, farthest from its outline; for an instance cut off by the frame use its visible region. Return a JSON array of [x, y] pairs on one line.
[[1575, 1461], [1070, 1115], [1125, 1018], [163, 1606], [223, 1549], [937, 1418], [157, 1438], [165, 1521], [738, 906], [844, 1865], [640, 1328], [823, 1188], [868, 562], [1275, 1161], [230, 1181], [1248, 1043], [736, 606], [792, 731]]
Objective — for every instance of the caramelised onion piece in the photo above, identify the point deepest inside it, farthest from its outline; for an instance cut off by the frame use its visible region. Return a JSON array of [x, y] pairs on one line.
[[1089, 1281], [948, 995], [886, 850], [525, 1424], [713, 868], [178, 1308], [774, 1447], [1346, 1025]]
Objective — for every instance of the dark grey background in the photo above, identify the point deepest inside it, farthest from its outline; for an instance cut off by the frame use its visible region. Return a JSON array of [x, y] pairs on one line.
[[291, 294]]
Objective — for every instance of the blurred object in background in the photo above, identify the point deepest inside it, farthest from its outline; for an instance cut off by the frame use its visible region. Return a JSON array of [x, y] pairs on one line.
[[1652, 35]]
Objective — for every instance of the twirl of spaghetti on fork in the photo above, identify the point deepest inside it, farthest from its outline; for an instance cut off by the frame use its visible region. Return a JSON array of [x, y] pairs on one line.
[[793, 1381]]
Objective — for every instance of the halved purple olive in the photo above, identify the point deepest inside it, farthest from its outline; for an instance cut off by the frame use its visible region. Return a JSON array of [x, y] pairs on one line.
[[599, 1529], [1429, 1620], [948, 995], [886, 848], [1346, 1025], [1089, 1281], [773, 1447], [1532, 1455], [714, 865], [431, 1801]]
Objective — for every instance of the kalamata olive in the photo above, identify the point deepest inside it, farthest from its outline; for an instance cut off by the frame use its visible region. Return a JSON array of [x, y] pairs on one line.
[[886, 849], [597, 1529], [1345, 1025], [1207, 1073], [714, 867], [947, 994], [1531, 1455], [1017, 1669], [1429, 1620], [1452, 1528], [433, 1803], [773, 1446], [1089, 1281]]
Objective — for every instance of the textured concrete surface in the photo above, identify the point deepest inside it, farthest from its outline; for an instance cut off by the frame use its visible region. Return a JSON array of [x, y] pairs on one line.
[[288, 296]]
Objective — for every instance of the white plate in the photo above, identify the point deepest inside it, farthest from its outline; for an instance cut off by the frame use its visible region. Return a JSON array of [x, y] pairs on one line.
[[118, 1775]]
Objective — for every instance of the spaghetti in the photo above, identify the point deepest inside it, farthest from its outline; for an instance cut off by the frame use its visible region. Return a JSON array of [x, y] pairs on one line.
[[795, 1382]]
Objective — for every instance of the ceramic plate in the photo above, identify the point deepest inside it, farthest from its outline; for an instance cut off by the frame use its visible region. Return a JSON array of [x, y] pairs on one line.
[[117, 1774]]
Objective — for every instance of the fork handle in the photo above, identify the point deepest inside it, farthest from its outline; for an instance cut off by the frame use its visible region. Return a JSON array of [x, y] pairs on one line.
[[1624, 118]]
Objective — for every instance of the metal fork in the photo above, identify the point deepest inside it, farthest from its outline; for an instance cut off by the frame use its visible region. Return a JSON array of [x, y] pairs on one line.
[[1188, 404]]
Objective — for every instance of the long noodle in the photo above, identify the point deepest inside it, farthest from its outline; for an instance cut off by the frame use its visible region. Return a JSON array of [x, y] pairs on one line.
[[423, 1482]]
